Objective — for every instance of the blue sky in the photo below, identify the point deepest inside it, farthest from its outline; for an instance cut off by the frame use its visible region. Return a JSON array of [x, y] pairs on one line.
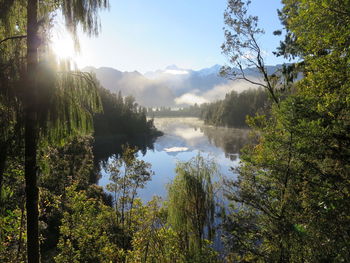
[[146, 35]]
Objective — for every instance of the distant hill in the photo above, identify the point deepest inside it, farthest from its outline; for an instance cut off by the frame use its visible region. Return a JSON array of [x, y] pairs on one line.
[[173, 86]]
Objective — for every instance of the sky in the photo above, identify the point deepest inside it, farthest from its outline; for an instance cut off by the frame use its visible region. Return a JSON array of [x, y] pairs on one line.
[[146, 35]]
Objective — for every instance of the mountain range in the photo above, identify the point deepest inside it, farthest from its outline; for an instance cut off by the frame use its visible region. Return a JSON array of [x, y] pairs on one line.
[[173, 86]]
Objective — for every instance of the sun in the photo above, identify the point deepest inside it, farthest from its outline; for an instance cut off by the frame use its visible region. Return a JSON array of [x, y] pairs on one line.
[[62, 45]]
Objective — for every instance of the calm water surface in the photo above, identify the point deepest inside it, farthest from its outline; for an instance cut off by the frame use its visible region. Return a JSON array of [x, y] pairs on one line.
[[183, 139]]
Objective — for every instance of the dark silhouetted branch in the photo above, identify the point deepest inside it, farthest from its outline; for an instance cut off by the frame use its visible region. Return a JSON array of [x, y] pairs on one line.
[[14, 37]]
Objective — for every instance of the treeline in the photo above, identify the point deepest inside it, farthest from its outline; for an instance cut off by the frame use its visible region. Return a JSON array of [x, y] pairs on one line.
[[121, 116], [234, 109], [121, 121], [191, 111]]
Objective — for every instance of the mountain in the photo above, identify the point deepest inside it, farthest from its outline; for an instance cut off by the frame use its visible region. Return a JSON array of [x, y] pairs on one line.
[[145, 91], [173, 86], [209, 71]]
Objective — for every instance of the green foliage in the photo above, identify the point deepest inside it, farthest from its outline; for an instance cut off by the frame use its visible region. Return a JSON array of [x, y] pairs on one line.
[[62, 167], [153, 240], [68, 100], [82, 13], [12, 236], [243, 50], [68, 164], [191, 206], [127, 176], [319, 27], [290, 202], [12, 223], [233, 110], [88, 231], [34, 95], [121, 116]]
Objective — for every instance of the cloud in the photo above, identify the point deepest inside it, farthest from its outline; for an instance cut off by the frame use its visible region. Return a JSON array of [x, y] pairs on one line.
[[178, 87], [176, 72], [190, 99], [176, 149], [218, 92], [188, 133]]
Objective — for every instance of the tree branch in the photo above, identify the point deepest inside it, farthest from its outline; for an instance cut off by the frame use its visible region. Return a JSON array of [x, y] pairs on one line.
[[14, 37], [339, 12], [243, 77]]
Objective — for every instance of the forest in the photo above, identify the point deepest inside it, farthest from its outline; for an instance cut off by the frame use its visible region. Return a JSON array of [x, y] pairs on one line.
[[290, 200], [234, 109]]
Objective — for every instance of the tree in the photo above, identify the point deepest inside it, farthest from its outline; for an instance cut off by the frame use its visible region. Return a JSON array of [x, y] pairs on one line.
[[153, 240], [233, 110], [41, 98], [89, 231], [243, 50], [191, 205], [293, 186], [121, 117], [11, 66], [127, 175]]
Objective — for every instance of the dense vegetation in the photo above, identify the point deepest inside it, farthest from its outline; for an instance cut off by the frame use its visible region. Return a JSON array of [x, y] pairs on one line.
[[121, 116], [79, 222], [42, 102], [289, 203], [121, 122], [234, 109]]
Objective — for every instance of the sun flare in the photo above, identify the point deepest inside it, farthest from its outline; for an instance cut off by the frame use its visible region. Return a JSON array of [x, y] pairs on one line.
[[63, 46]]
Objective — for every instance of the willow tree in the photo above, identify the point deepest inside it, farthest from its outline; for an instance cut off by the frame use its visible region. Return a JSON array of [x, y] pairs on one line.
[[191, 204], [11, 64], [54, 101]]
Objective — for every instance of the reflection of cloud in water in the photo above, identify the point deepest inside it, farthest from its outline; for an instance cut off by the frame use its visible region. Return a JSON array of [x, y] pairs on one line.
[[188, 133], [176, 149], [183, 139], [195, 135]]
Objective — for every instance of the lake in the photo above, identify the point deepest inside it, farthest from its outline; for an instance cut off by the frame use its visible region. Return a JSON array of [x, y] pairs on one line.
[[183, 139]]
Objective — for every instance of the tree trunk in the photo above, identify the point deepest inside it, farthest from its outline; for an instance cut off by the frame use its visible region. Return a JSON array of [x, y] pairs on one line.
[[31, 134]]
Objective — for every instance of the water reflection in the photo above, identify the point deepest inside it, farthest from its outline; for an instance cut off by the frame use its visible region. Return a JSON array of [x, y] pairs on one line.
[[111, 146], [194, 134], [105, 147], [183, 139]]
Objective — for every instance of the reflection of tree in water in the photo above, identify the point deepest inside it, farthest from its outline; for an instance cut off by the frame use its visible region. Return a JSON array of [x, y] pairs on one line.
[[109, 146], [231, 156], [229, 139]]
